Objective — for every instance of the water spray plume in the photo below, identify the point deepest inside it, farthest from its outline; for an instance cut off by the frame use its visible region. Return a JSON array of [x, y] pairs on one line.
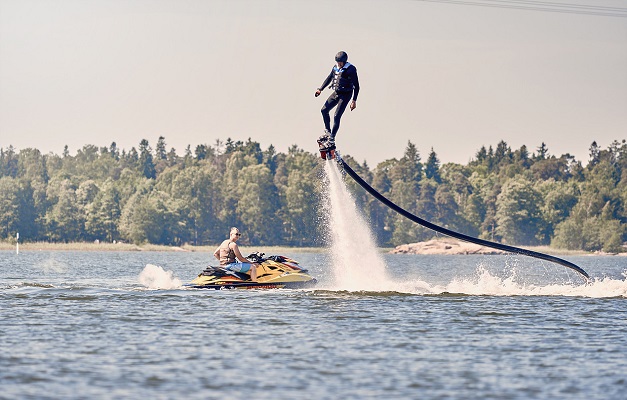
[[357, 263]]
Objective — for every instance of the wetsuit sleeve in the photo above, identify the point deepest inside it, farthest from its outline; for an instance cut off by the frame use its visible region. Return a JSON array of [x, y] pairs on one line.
[[327, 81], [355, 86]]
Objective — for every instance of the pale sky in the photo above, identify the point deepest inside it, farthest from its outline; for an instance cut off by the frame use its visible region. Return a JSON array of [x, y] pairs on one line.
[[449, 76]]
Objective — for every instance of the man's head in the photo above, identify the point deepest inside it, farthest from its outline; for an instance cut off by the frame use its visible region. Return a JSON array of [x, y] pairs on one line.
[[341, 58], [234, 234]]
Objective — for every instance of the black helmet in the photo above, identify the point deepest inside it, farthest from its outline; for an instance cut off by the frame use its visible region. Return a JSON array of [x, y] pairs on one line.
[[341, 57]]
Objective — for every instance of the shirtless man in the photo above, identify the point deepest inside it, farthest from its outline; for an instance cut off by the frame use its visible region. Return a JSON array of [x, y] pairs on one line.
[[228, 252]]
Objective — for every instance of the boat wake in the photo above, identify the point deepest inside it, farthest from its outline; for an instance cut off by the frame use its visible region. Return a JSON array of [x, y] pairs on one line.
[[485, 283]]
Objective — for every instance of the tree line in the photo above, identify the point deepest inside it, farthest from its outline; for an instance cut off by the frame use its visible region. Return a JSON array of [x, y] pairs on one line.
[[148, 195]]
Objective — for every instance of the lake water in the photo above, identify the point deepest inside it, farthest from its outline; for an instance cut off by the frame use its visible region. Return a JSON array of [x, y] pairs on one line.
[[82, 325]]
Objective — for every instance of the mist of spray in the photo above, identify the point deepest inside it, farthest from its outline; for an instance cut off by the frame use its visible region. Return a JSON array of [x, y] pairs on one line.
[[356, 261], [155, 277]]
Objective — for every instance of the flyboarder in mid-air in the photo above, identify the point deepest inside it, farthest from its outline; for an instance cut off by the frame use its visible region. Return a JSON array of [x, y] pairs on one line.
[[345, 84]]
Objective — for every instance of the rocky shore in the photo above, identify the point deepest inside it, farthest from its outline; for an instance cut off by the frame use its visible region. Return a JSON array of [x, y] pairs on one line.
[[444, 246], [450, 246]]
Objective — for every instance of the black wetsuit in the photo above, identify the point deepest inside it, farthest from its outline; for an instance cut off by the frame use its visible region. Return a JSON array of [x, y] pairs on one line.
[[345, 84]]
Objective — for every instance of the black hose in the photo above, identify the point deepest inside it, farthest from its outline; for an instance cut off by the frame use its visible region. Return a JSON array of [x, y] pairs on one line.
[[457, 235]]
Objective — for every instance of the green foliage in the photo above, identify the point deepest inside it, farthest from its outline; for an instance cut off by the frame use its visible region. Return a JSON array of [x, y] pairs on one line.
[[518, 214], [9, 206], [256, 204], [559, 200], [592, 234], [432, 168], [299, 211], [103, 213], [156, 196], [65, 219]]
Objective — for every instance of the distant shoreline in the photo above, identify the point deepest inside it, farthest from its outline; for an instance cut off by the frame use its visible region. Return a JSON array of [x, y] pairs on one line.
[[440, 246], [91, 246]]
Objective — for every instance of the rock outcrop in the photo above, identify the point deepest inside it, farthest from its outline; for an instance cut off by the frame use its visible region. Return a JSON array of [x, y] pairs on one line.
[[444, 246]]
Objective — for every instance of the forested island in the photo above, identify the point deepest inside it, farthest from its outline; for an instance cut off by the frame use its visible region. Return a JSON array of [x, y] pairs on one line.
[[157, 196]]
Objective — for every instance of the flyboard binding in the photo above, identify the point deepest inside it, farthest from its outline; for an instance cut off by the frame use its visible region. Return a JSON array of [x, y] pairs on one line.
[[326, 145], [273, 272]]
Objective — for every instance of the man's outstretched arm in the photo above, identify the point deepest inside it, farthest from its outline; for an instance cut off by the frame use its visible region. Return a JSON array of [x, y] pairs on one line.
[[325, 83]]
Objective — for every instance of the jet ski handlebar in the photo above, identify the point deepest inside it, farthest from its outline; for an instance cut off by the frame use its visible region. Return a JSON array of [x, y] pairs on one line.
[[256, 257]]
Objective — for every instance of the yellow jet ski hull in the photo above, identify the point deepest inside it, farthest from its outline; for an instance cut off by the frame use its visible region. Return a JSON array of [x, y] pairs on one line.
[[273, 272]]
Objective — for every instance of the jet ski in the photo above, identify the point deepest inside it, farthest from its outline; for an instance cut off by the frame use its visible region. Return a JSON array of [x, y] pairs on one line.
[[273, 272]]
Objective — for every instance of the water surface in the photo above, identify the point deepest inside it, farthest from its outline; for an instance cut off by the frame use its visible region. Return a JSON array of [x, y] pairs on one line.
[[81, 325]]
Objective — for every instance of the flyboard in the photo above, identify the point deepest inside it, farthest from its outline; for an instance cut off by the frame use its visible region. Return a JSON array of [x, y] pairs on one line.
[[327, 147], [331, 153]]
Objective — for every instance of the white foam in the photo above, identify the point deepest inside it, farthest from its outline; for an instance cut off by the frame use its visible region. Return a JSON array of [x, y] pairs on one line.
[[486, 284], [155, 277]]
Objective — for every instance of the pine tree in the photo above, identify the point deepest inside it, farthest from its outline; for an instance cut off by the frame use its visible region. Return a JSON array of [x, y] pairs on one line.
[[432, 168], [160, 149], [543, 152], [145, 160]]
